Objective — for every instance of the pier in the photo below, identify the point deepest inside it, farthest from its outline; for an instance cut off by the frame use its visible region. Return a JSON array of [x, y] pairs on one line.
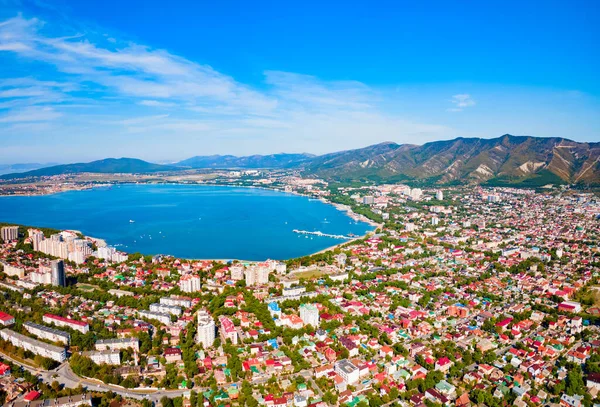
[[318, 233]]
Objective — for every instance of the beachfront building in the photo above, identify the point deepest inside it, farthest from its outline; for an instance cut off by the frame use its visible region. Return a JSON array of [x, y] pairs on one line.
[[257, 275], [9, 233]]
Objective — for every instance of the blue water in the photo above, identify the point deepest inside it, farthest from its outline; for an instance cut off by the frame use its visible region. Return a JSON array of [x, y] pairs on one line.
[[189, 221]]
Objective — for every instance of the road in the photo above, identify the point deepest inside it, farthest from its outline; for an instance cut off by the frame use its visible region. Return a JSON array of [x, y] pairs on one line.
[[66, 377]]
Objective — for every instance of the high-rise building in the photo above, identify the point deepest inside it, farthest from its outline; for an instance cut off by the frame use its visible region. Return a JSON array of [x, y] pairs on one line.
[[58, 273], [257, 275], [309, 314], [9, 233], [237, 272], [189, 283], [439, 195], [36, 237], [206, 329]]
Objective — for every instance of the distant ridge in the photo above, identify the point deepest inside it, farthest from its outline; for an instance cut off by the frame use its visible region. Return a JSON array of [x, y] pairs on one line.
[[106, 166], [250, 162], [506, 160]]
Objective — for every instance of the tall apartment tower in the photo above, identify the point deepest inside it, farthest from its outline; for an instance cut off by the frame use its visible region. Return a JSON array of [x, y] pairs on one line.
[[58, 273], [9, 233], [206, 329]]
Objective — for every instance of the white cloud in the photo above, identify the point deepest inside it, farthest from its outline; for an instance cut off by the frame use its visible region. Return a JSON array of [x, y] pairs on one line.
[[460, 102], [32, 114], [133, 84], [155, 103]]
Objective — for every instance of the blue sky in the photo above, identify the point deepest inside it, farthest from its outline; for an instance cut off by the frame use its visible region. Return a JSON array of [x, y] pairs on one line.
[[82, 80]]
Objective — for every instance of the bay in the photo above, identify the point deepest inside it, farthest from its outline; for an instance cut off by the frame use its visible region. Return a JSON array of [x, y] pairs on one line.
[[189, 221]]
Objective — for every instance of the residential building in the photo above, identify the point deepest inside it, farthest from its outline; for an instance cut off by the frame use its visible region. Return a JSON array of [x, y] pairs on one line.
[[47, 333], [347, 371], [206, 329], [36, 347], [104, 357], [189, 283], [165, 309], [9, 233], [116, 344], [309, 314], [6, 319], [58, 273], [227, 330], [80, 326]]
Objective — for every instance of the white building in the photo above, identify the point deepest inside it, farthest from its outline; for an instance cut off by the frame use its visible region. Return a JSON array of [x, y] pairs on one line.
[[309, 314], [9, 233], [34, 346], [189, 283], [368, 200], [80, 326], [159, 316], [166, 309], [106, 357], [41, 276], [177, 301], [257, 275], [237, 272], [347, 371], [439, 195], [11, 270], [206, 329], [116, 344], [47, 333]]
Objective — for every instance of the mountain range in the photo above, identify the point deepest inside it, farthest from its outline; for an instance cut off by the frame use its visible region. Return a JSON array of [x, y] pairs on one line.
[[106, 166], [506, 160]]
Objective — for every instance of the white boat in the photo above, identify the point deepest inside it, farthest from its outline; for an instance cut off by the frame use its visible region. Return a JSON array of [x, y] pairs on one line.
[[131, 221]]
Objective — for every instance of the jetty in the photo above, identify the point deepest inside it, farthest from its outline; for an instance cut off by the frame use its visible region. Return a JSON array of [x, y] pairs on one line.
[[319, 233]]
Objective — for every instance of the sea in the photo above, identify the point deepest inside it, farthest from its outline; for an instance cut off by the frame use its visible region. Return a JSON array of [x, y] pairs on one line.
[[190, 221]]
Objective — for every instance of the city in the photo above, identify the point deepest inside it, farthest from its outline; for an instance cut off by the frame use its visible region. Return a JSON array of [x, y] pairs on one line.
[[460, 297], [299, 203]]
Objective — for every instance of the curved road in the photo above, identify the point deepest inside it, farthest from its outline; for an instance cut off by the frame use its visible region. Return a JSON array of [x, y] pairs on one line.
[[65, 376]]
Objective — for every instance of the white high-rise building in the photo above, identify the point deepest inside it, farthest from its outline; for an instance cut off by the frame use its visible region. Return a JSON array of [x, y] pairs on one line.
[[257, 275], [206, 329], [42, 276], [9, 233], [36, 237], [416, 193], [237, 272], [439, 195], [309, 313], [189, 283]]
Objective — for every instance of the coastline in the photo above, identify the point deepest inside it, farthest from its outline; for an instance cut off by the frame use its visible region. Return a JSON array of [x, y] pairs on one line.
[[339, 207]]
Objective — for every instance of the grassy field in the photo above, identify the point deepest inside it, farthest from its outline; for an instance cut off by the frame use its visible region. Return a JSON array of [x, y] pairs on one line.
[[310, 274], [87, 287]]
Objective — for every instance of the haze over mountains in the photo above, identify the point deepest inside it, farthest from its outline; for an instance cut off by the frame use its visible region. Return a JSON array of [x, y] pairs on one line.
[[517, 160]]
